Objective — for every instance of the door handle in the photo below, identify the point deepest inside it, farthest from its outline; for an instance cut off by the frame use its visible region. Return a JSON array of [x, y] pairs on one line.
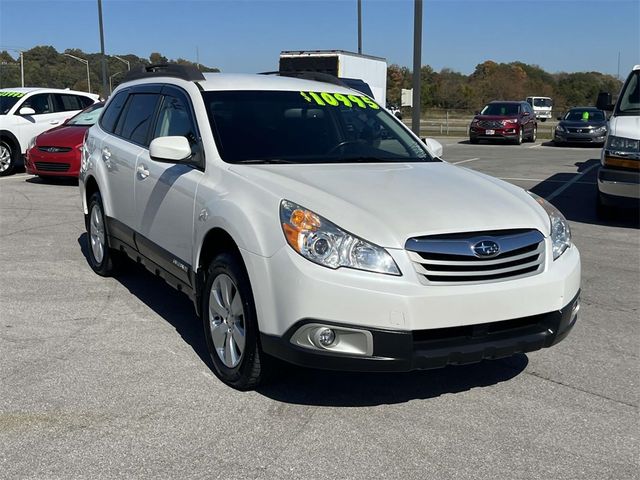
[[54, 122], [142, 171]]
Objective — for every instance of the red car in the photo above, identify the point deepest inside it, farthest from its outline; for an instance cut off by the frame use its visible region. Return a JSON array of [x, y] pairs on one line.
[[513, 121], [56, 152]]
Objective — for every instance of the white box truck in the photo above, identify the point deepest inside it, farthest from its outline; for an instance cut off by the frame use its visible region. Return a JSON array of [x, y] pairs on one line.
[[342, 64]]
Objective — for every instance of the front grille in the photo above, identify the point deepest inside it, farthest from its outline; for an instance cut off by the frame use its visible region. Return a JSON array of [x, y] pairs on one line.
[[54, 149], [490, 124], [449, 259], [52, 166], [580, 130]]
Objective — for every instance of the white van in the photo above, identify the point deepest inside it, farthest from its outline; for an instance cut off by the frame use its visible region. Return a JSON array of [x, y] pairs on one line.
[[619, 175], [541, 107]]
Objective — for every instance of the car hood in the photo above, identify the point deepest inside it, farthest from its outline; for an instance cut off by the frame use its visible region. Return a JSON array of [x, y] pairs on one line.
[[581, 124], [62, 136], [495, 117], [389, 203], [625, 126]]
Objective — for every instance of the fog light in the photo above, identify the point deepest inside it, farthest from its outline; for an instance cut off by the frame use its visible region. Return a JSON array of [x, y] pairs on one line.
[[326, 337]]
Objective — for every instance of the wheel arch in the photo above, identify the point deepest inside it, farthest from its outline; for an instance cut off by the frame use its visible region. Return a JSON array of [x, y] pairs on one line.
[[7, 135]]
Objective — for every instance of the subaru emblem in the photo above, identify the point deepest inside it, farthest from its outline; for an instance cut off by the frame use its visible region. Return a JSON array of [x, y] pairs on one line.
[[486, 249]]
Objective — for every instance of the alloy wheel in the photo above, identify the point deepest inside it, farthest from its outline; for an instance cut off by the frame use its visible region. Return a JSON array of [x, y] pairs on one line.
[[96, 233], [5, 158], [227, 320]]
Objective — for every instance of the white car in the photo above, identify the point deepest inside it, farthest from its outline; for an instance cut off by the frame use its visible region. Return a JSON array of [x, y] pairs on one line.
[[309, 224], [619, 173], [27, 112]]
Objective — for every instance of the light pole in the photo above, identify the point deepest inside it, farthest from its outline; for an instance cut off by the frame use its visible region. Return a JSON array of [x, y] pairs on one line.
[[21, 52], [123, 61], [110, 85], [417, 66], [360, 27], [103, 60], [86, 62]]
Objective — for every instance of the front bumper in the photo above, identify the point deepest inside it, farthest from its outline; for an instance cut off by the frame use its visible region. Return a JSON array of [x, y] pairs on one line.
[[395, 350], [579, 138], [510, 133], [62, 164], [619, 187]]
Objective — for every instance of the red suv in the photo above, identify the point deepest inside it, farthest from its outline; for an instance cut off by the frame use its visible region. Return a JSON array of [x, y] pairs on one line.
[[498, 120]]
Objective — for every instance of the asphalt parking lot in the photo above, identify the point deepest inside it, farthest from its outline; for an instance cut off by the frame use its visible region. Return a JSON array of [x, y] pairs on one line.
[[108, 378]]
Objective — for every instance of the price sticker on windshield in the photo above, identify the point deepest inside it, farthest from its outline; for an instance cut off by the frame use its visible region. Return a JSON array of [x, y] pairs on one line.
[[336, 99]]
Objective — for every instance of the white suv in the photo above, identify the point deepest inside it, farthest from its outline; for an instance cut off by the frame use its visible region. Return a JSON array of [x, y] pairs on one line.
[[310, 225], [27, 112]]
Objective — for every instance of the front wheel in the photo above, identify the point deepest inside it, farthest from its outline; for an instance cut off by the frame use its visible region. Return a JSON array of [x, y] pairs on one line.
[[543, 119], [520, 137], [230, 324], [8, 156]]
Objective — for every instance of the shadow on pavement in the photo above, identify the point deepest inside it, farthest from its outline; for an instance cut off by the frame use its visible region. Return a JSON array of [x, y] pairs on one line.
[[578, 202], [316, 387], [52, 180]]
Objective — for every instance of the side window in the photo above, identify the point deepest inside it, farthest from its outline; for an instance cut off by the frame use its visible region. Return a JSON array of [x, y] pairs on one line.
[[112, 112], [174, 119], [67, 103], [85, 101], [41, 103], [134, 123]]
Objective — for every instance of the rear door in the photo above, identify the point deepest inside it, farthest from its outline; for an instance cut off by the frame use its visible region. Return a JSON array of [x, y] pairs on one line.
[[165, 193], [120, 150]]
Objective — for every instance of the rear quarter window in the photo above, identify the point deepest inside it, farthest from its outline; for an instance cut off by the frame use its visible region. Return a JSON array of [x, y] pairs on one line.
[[136, 119]]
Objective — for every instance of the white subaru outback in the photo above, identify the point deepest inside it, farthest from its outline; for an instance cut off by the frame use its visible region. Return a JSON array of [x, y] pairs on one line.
[[308, 224]]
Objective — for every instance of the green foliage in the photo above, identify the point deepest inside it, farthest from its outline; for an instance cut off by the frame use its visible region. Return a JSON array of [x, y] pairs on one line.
[[44, 66], [500, 81]]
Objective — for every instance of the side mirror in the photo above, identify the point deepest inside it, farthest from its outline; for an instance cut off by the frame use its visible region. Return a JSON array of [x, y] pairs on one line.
[[559, 117], [170, 149], [434, 146], [604, 102], [526, 114], [27, 111], [477, 112]]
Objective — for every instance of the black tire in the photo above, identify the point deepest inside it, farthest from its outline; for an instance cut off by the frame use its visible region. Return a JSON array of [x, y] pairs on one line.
[[252, 364], [474, 141], [8, 158], [534, 134], [543, 119], [604, 211], [558, 143], [109, 262], [520, 138]]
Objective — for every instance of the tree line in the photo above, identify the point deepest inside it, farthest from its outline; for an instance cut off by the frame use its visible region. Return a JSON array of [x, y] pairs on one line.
[[448, 89], [44, 66]]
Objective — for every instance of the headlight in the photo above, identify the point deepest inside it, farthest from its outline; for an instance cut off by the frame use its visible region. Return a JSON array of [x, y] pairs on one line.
[[600, 130], [560, 128], [623, 145], [326, 244], [510, 120], [560, 231]]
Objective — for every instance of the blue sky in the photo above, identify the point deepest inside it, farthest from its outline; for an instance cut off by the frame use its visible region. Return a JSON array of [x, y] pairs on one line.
[[248, 35]]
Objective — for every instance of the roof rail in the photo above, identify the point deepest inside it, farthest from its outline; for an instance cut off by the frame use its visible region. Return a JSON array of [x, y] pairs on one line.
[[185, 72], [307, 75]]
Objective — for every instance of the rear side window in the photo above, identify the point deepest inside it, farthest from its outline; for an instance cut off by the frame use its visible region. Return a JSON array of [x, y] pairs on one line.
[[138, 114], [85, 101], [112, 112], [68, 103]]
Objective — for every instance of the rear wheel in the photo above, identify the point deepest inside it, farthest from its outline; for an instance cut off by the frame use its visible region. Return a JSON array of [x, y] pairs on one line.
[[230, 324], [534, 134], [103, 260], [8, 156]]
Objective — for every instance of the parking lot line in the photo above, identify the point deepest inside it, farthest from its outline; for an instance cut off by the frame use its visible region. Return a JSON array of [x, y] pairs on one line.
[[537, 145], [557, 192], [468, 160]]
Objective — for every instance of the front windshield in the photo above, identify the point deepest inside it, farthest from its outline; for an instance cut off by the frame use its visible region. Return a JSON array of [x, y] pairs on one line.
[[579, 115], [8, 100], [307, 127], [629, 101], [87, 117], [542, 102], [500, 109]]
